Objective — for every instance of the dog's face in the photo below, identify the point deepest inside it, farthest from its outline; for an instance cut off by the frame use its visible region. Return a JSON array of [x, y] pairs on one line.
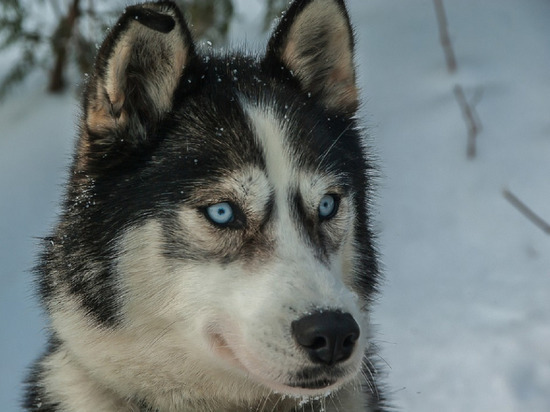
[[232, 193], [264, 237]]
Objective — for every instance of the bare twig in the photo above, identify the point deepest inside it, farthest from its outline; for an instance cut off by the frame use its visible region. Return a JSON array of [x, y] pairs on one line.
[[470, 119], [60, 44], [444, 36], [526, 211]]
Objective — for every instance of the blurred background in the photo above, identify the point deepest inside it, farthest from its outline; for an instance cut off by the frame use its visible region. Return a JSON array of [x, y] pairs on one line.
[[457, 111]]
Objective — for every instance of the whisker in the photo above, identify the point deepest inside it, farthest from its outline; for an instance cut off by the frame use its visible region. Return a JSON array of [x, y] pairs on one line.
[[333, 399], [327, 152], [276, 403], [262, 404], [383, 360], [370, 378]]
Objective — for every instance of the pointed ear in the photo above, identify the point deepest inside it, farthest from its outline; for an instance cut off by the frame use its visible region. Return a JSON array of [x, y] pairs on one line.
[[314, 40], [137, 71]]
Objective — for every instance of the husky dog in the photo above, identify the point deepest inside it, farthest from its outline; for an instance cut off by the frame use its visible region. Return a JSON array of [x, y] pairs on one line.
[[214, 251]]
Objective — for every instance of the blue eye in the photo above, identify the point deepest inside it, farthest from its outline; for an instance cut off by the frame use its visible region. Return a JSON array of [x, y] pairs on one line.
[[328, 206], [220, 213]]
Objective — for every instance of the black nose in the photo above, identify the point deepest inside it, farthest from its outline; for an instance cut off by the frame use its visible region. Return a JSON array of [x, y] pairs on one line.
[[328, 337]]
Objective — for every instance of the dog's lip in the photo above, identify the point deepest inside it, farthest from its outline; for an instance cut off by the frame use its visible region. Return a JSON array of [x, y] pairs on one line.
[[316, 384], [317, 378]]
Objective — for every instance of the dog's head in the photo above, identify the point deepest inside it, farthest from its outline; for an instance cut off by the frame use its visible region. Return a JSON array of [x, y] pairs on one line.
[[224, 199]]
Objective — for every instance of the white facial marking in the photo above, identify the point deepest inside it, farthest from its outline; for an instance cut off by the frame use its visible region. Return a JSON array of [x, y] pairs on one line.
[[270, 134], [294, 281]]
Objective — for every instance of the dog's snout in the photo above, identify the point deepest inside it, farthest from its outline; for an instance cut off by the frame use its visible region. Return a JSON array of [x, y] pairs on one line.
[[328, 337]]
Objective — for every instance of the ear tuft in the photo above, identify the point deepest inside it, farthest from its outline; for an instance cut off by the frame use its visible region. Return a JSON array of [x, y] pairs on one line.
[[314, 40], [137, 71], [155, 21]]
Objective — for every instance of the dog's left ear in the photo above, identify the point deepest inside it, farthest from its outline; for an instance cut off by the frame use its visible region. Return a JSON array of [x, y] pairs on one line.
[[314, 40]]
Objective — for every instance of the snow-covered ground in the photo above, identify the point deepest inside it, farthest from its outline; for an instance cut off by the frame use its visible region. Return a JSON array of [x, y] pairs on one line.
[[465, 314], [464, 317]]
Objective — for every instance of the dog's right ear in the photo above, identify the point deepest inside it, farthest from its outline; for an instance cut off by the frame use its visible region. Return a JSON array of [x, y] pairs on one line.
[[137, 71], [314, 41]]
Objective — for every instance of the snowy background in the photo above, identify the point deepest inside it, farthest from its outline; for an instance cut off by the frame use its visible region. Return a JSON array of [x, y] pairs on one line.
[[464, 318]]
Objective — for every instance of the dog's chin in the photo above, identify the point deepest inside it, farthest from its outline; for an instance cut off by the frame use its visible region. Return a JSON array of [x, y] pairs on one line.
[[309, 382]]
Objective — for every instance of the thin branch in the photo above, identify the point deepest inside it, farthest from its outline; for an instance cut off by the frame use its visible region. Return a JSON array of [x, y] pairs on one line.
[[526, 211], [60, 42], [444, 36], [474, 100], [470, 119]]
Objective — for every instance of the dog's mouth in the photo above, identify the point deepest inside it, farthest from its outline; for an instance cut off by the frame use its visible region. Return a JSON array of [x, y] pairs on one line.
[[324, 383], [317, 378], [307, 381]]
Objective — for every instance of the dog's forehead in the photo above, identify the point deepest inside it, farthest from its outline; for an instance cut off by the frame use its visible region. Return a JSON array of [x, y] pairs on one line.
[[299, 155], [234, 124], [270, 134]]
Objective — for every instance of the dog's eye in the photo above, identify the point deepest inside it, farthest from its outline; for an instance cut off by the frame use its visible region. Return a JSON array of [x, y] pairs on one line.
[[328, 206], [221, 213]]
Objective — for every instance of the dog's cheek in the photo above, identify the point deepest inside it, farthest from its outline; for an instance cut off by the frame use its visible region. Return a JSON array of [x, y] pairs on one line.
[[156, 288], [254, 319]]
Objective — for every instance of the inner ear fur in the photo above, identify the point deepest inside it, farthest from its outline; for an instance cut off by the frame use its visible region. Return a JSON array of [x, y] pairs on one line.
[[137, 71], [314, 40]]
